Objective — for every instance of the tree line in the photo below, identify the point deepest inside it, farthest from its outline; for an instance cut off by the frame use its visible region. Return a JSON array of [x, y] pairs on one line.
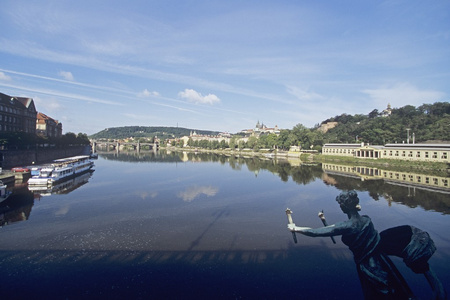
[[23, 140], [147, 132], [426, 123]]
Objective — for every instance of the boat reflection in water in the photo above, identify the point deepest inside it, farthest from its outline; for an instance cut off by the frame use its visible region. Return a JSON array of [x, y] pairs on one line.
[[17, 207], [62, 187]]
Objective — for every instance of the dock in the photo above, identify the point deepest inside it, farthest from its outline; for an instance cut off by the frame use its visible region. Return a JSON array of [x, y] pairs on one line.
[[10, 177]]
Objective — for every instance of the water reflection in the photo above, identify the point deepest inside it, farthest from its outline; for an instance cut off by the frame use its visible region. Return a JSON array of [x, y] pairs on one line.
[[412, 189], [196, 191], [17, 207], [63, 187], [129, 234]]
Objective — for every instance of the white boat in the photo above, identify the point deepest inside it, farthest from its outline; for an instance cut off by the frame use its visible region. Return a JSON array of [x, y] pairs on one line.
[[61, 169], [4, 194]]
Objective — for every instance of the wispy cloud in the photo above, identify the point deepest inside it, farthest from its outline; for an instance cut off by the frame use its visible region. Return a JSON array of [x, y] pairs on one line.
[[197, 98], [5, 77], [60, 94], [146, 93], [193, 192], [304, 94], [66, 75], [47, 105], [402, 94]]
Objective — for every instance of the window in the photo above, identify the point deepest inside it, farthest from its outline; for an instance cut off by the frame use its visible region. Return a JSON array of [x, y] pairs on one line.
[[434, 154], [426, 154]]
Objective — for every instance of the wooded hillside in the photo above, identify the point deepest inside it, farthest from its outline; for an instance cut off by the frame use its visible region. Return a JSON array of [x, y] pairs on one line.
[[146, 131], [428, 122]]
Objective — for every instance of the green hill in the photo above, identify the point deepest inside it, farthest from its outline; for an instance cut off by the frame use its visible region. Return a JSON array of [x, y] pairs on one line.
[[146, 131], [427, 123]]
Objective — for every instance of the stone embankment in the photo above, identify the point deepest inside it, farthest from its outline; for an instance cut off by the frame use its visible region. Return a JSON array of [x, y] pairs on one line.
[[241, 152], [14, 158]]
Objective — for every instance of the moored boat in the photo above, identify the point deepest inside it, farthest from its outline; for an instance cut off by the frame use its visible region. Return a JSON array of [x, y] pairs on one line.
[[61, 169], [4, 194]]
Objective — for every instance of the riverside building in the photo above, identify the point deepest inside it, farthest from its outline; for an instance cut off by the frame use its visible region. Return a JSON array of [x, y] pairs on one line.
[[412, 152]]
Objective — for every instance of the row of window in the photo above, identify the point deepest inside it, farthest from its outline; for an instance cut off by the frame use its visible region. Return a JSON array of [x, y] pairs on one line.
[[8, 109], [418, 154], [395, 153], [344, 151], [9, 128], [417, 178], [15, 111], [424, 179]]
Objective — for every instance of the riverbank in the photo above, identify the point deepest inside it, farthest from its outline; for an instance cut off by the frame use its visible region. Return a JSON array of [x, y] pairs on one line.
[[14, 158], [436, 168]]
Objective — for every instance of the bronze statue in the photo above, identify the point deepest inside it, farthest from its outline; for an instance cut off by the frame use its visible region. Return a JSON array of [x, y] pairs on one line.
[[379, 277]]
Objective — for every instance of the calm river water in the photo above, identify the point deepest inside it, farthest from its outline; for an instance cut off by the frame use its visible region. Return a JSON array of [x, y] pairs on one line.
[[174, 225]]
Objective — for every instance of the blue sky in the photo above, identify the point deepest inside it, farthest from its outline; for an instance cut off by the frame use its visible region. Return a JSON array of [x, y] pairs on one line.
[[222, 65]]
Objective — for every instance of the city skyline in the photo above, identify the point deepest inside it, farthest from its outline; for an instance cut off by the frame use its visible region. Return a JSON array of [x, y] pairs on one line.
[[221, 66]]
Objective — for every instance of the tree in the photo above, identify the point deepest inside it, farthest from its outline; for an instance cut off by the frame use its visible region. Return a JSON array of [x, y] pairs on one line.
[[373, 114]]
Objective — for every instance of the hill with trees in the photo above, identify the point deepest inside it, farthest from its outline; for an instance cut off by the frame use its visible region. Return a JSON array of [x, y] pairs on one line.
[[147, 132], [428, 122]]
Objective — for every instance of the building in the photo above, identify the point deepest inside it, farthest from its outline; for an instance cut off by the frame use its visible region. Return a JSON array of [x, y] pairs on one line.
[[17, 114], [341, 149], [418, 152], [413, 152], [48, 127], [260, 128]]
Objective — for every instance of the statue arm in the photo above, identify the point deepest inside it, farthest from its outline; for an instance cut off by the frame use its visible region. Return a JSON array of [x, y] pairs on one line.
[[331, 230]]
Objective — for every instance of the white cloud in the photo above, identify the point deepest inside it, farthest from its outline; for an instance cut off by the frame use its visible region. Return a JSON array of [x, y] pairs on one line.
[[50, 104], [146, 93], [3, 76], [403, 94], [66, 75], [193, 192], [195, 97], [302, 94]]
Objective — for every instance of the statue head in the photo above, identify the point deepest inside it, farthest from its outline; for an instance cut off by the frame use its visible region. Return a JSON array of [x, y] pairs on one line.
[[348, 201]]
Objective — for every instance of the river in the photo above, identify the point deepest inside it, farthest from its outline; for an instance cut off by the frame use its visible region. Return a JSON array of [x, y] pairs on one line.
[[184, 225]]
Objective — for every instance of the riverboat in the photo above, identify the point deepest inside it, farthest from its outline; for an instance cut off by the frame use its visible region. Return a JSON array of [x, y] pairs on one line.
[[4, 194], [61, 169], [63, 186]]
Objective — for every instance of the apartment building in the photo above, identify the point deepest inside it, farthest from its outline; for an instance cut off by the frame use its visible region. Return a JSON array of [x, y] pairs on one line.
[[17, 114]]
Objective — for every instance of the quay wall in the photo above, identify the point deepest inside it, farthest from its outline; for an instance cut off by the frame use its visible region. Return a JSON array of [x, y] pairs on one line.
[[14, 158]]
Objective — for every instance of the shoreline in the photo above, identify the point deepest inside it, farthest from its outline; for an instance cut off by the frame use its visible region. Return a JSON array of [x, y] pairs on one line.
[[442, 169]]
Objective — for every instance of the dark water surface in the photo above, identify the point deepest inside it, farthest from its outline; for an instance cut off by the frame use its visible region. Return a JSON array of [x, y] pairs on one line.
[[179, 226]]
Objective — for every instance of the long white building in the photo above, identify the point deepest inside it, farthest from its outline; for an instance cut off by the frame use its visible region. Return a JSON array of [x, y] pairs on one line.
[[415, 152]]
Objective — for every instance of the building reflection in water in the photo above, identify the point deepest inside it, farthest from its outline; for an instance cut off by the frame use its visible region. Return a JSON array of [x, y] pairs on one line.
[[431, 192], [436, 183], [18, 206]]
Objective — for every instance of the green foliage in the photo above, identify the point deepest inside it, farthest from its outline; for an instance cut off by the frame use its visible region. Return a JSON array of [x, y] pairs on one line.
[[428, 122], [145, 131], [22, 140]]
